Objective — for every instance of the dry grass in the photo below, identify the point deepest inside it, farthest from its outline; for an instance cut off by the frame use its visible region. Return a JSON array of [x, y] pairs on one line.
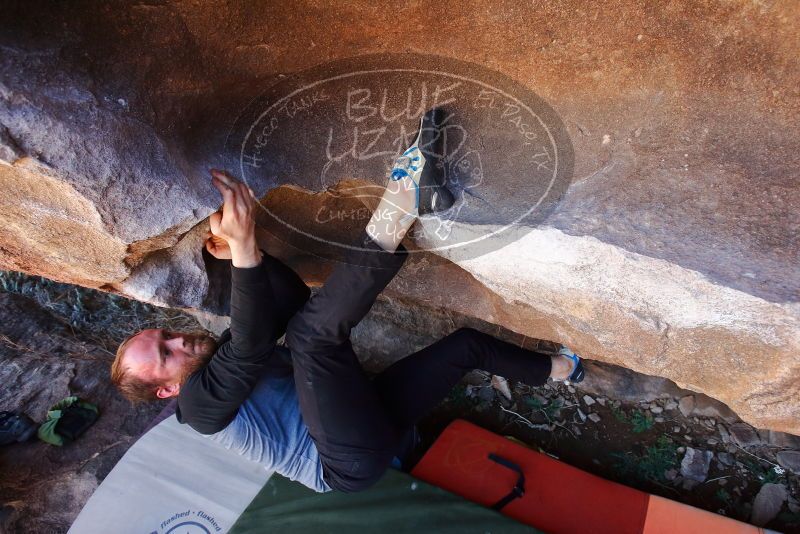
[[102, 317]]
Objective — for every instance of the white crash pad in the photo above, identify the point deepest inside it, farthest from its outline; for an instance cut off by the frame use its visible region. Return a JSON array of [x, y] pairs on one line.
[[172, 480]]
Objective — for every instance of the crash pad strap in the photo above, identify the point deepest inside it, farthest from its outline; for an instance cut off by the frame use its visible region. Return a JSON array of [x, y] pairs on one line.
[[519, 488], [558, 497]]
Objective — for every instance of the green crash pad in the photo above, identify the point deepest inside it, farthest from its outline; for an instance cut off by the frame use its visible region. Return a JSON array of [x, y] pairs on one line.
[[399, 503]]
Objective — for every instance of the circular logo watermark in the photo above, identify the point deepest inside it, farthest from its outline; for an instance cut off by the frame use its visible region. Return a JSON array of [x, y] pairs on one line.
[[334, 132], [188, 522]]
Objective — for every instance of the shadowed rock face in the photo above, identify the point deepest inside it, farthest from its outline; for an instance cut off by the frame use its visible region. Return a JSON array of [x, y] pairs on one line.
[[42, 360], [671, 248]]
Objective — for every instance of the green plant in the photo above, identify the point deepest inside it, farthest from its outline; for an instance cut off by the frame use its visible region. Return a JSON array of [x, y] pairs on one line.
[[641, 421], [652, 464], [549, 409], [534, 403], [552, 408], [462, 400], [619, 414], [766, 475], [659, 458]]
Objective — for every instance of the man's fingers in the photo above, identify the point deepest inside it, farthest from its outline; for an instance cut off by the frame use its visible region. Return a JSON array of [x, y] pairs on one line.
[[214, 221], [222, 177], [233, 183], [240, 190], [243, 189], [228, 195], [235, 222], [239, 195], [243, 198], [221, 185], [225, 185], [228, 199], [249, 196]]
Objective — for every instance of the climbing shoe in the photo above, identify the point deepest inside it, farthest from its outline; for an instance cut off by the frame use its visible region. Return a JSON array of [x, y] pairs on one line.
[[422, 164], [577, 375], [15, 427], [410, 451]]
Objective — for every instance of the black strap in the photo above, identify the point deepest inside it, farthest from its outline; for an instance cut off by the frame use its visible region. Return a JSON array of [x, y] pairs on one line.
[[519, 488]]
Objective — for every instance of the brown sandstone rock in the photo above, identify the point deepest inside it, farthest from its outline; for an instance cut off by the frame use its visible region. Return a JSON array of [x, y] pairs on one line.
[[673, 252]]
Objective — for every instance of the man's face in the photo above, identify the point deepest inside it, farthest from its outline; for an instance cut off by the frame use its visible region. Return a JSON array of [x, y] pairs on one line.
[[167, 357]]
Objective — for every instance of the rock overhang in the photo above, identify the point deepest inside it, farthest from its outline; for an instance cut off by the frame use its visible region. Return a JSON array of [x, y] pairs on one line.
[[673, 250]]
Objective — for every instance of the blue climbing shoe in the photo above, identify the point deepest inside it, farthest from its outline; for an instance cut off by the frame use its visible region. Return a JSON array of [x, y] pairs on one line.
[[423, 164], [577, 375]]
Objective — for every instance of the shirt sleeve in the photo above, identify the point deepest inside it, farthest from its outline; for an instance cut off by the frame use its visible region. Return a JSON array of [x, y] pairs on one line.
[[263, 299]]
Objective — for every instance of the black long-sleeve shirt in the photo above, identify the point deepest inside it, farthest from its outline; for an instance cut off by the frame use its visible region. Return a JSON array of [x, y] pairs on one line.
[[263, 300]]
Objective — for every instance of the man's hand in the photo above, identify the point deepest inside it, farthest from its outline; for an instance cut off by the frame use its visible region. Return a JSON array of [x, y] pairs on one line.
[[217, 247], [234, 224]]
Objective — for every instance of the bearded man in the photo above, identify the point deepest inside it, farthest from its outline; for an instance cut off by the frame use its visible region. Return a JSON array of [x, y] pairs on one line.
[[307, 410]]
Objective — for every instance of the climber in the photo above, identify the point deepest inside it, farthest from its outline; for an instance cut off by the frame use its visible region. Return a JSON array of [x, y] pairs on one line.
[[307, 410]]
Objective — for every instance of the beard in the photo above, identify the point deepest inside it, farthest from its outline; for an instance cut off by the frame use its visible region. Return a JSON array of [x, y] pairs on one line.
[[203, 345], [203, 348]]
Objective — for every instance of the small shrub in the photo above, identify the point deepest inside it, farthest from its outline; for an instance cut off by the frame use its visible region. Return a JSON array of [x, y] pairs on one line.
[[552, 408], [652, 464], [549, 409], [619, 414], [766, 475], [723, 496], [533, 403], [641, 422]]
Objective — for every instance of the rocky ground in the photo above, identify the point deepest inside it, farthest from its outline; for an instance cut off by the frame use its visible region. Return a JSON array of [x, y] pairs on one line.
[[55, 341], [662, 440], [642, 431]]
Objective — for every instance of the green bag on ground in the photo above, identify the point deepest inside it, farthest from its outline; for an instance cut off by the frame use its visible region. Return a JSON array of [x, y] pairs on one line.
[[66, 420]]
